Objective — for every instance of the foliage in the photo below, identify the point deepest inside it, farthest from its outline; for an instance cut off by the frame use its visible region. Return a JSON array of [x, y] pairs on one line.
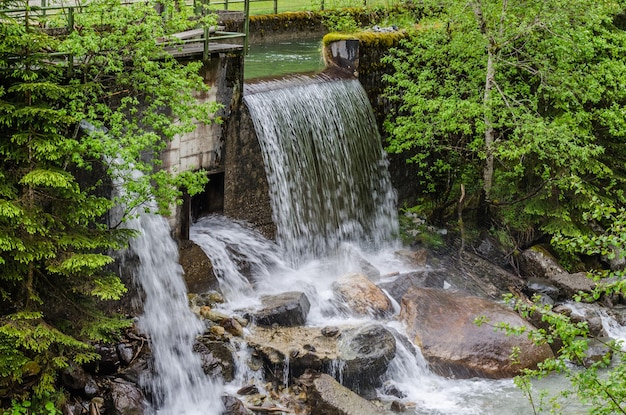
[[518, 101], [72, 128], [342, 21], [600, 384]]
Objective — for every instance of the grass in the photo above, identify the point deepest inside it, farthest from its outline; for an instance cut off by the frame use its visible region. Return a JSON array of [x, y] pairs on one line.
[[281, 6]]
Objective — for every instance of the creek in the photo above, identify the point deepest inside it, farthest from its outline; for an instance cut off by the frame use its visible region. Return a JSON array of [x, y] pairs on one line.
[[333, 206]]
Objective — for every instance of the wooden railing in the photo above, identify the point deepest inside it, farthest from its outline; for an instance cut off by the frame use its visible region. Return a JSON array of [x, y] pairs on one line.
[[208, 35]]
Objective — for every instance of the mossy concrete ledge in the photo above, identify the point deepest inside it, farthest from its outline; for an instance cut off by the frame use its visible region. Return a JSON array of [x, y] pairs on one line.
[[361, 52]]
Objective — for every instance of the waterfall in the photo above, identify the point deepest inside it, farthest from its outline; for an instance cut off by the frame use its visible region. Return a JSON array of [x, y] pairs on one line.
[[325, 165], [178, 385]]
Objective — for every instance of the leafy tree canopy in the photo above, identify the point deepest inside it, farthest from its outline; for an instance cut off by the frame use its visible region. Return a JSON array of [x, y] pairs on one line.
[[82, 107], [520, 101], [522, 105]]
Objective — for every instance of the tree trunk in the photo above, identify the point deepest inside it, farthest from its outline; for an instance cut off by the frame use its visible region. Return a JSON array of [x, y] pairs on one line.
[[488, 167], [489, 131]]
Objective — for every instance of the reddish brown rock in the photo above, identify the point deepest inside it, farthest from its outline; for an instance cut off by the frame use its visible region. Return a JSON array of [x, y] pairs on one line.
[[443, 324], [361, 296]]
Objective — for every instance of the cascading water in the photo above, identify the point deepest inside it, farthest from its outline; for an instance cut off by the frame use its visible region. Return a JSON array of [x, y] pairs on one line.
[[178, 385], [333, 205], [325, 165]]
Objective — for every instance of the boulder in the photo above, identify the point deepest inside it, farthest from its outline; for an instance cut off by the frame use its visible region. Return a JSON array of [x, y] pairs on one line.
[[443, 324], [538, 262], [126, 398], [361, 296], [357, 356], [75, 379], [415, 258], [543, 287], [199, 275], [365, 353], [217, 359], [233, 406], [571, 284], [399, 284], [108, 363], [125, 352], [326, 396], [287, 309], [598, 350]]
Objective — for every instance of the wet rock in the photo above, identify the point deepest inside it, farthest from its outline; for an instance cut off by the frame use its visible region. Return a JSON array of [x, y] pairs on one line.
[[233, 327], [477, 276], [330, 331], [365, 353], [416, 258], [582, 312], [399, 284], [126, 398], [75, 379], [212, 315], [542, 286], [233, 406], [442, 323], [491, 249], [217, 331], [397, 406], [210, 299], [108, 363], [248, 390], [125, 353], [617, 262], [598, 350], [361, 296], [287, 309], [358, 356], [217, 359], [392, 390], [538, 262], [326, 396], [571, 284], [199, 275], [137, 369]]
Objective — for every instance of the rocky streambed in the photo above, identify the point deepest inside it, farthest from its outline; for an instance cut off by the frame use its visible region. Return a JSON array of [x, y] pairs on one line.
[[273, 361]]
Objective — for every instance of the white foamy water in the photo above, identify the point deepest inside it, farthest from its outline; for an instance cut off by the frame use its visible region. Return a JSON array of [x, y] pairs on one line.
[[424, 392], [178, 386]]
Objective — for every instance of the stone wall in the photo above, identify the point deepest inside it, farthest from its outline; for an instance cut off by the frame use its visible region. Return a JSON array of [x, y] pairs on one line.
[[246, 191]]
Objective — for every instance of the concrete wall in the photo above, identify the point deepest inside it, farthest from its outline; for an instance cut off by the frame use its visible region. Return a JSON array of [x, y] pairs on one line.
[[204, 148]]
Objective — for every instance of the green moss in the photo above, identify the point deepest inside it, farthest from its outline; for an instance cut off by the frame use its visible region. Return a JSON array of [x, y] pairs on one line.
[[285, 17], [368, 39]]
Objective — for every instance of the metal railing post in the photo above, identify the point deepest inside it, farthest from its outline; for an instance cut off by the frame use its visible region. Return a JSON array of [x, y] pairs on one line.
[[275, 6], [225, 4], [205, 51], [70, 29], [246, 25]]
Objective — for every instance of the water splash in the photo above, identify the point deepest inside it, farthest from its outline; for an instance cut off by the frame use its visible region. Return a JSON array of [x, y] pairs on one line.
[[178, 385]]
